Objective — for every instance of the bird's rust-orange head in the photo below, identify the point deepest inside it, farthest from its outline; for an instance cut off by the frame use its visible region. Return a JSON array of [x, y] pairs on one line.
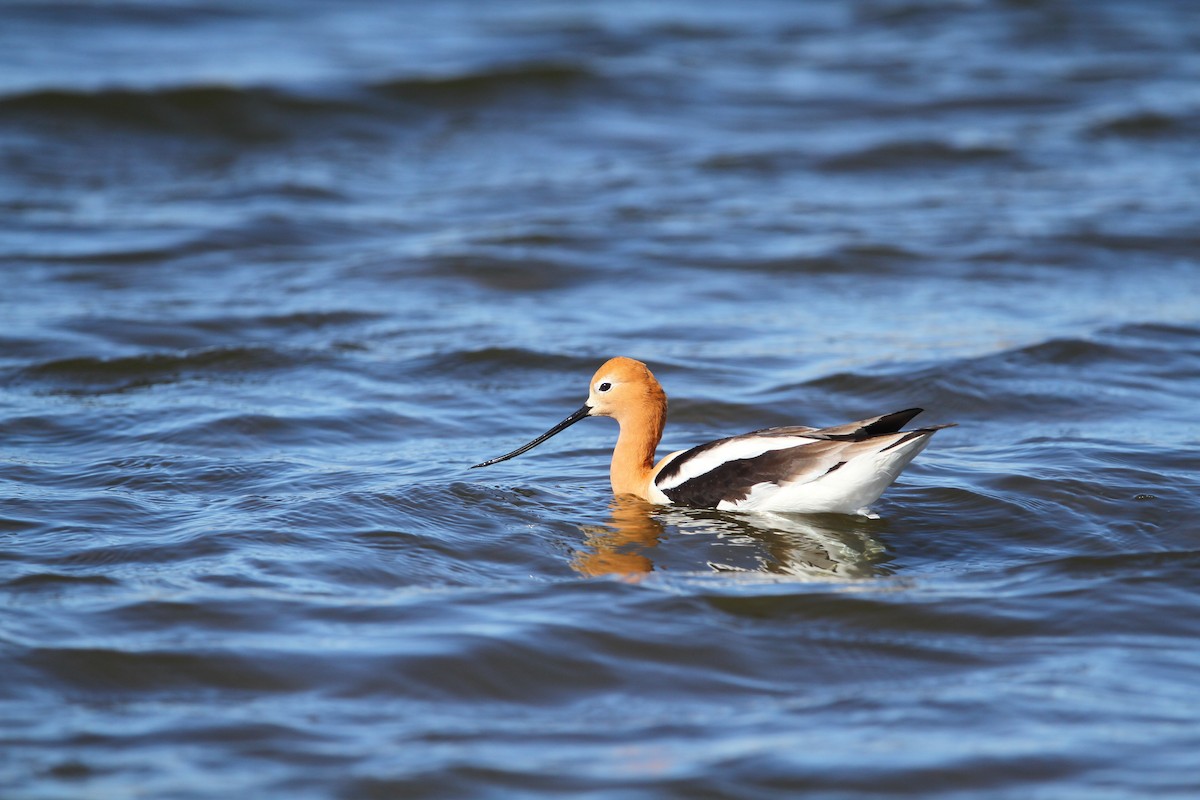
[[626, 390]]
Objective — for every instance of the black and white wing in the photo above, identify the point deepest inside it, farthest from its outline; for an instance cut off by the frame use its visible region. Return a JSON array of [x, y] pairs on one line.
[[795, 468]]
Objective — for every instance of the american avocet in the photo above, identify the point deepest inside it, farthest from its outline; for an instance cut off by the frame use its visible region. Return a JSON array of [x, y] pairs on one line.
[[842, 469]]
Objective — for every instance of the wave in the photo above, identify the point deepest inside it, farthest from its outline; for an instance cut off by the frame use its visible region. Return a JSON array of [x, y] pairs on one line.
[[1143, 123], [156, 248], [536, 78], [1051, 379], [864, 258], [490, 362], [90, 375], [272, 112], [1181, 243], [915, 154], [509, 274], [242, 113]]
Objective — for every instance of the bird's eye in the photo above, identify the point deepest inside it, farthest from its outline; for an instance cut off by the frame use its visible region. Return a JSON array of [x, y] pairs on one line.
[[604, 387]]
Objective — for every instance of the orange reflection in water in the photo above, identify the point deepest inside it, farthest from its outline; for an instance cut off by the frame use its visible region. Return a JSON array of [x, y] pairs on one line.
[[616, 548]]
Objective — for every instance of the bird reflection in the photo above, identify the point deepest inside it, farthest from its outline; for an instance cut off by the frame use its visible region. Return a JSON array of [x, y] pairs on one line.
[[618, 547], [809, 547]]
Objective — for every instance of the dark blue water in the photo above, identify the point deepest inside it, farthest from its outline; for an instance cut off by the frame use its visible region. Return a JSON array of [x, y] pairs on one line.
[[275, 274]]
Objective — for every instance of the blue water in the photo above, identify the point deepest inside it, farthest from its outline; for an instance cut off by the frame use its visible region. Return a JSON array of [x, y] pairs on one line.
[[274, 275]]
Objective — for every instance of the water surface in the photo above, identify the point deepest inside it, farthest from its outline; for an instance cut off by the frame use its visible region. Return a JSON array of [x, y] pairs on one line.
[[275, 275]]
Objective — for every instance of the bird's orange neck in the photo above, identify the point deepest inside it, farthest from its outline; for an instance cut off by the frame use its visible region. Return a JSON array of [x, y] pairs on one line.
[[633, 457]]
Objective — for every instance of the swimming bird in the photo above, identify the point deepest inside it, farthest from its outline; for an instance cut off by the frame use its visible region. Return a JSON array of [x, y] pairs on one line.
[[842, 469]]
